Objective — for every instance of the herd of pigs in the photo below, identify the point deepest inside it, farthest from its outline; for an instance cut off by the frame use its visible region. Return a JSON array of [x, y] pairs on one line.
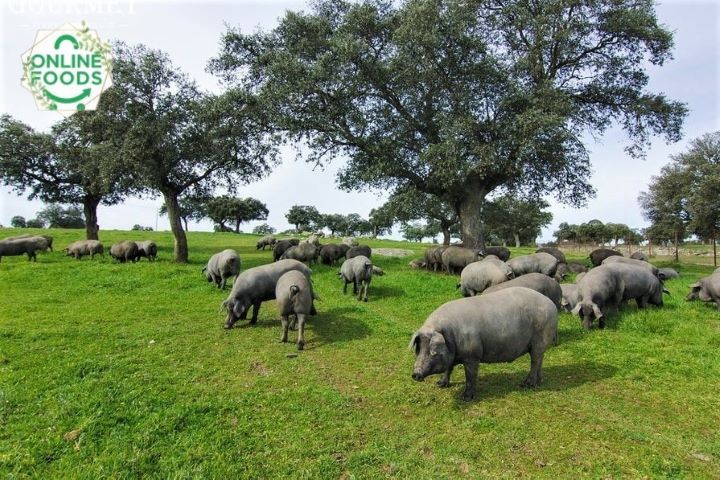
[[509, 306]]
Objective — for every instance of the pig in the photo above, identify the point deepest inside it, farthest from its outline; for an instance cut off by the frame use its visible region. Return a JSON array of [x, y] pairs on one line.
[[282, 245], [456, 258], [85, 247], [305, 252], [254, 286], [555, 252], [537, 262], [294, 294], [579, 276], [577, 267], [19, 246], [640, 285], [706, 289], [569, 296], [416, 264], [539, 282], [222, 266], [667, 273], [600, 290], [639, 256], [125, 251], [478, 276], [332, 252], [503, 253], [597, 256], [358, 271], [631, 261], [498, 327], [48, 239], [433, 258], [266, 241], [350, 242], [561, 272], [147, 249], [359, 250], [313, 239]]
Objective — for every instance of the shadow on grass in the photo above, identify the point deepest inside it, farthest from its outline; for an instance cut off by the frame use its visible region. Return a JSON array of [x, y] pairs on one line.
[[337, 325], [556, 378]]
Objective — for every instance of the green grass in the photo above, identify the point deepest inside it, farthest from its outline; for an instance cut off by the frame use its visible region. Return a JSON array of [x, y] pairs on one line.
[[110, 370]]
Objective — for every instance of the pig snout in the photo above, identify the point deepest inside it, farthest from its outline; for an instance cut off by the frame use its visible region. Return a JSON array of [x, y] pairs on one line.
[[417, 376]]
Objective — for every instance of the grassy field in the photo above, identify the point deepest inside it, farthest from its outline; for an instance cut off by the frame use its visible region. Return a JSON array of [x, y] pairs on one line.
[[125, 371]]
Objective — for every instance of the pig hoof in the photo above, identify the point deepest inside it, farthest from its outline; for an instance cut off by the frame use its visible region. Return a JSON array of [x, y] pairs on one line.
[[530, 383], [227, 326], [443, 383], [469, 396], [301, 346]]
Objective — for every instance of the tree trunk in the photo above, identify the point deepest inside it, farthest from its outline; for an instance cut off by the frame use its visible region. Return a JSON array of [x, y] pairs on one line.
[[90, 205], [517, 240], [714, 251], [446, 236], [185, 222], [677, 258], [173, 213], [237, 227], [470, 212]]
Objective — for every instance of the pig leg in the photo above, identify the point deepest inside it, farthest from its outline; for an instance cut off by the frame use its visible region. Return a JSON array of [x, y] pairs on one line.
[[444, 382], [367, 285], [471, 368], [355, 287], [642, 302], [301, 331], [536, 358], [345, 287], [222, 283], [285, 325], [256, 309]]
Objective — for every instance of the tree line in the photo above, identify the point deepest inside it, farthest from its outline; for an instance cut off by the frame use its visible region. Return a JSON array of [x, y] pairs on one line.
[[451, 101]]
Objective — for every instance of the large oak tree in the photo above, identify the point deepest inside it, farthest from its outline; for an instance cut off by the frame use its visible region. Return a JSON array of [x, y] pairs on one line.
[[458, 97]]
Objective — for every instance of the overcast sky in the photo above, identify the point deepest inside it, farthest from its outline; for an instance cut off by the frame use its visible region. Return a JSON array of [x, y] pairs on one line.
[[190, 32]]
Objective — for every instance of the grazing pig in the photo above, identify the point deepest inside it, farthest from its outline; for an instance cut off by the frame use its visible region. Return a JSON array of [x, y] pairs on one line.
[[417, 264], [222, 266], [455, 259], [147, 249], [640, 284], [478, 276], [706, 289], [47, 238], [350, 242], [503, 253], [332, 252], [125, 251], [555, 252], [535, 263], [20, 246], [599, 290], [433, 258], [499, 327], [358, 271], [305, 252], [359, 250], [597, 256], [313, 239], [667, 273], [281, 246], [539, 282], [295, 296], [631, 261], [85, 247], [569, 296], [577, 267], [639, 256], [561, 272], [254, 286], [266, 241]]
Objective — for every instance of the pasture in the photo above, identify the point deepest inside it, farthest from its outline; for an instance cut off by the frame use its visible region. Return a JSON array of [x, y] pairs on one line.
[[124, 371]]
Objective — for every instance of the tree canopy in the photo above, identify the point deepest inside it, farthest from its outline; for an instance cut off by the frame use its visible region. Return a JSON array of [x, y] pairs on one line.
[[456, 98]]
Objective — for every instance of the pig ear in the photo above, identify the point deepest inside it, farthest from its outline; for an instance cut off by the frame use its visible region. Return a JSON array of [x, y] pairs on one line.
[[598, 313], [665, 290], [695, 285], [223, 306], [413, 341], [437, 338], [576, 310]]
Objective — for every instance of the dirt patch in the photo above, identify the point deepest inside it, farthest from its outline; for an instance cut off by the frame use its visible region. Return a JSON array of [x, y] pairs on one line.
[[392, 252]]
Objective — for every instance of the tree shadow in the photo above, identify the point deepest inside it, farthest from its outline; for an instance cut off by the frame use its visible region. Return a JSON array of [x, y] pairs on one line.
[[556, 378]]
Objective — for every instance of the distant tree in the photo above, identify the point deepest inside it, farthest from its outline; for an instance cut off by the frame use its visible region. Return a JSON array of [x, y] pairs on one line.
[[35, 223], [334, 222], [18, 221], [618, 231], [381, 221], [181, 141], [55, 216], [140, 228], [191, 208], [263, 229], [413, 232], [593, 231], [634, 237], [516, 219], [409, 204], [227, 209], [355, 225], [566, 232], [304, 217]]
